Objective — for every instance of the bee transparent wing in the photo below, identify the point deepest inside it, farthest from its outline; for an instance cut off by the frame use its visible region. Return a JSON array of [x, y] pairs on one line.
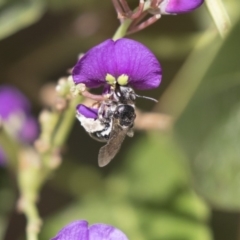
[[109, 151]]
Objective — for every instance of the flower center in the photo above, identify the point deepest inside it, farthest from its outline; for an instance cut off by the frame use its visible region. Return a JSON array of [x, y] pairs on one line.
[[110, 79], [121, 80]]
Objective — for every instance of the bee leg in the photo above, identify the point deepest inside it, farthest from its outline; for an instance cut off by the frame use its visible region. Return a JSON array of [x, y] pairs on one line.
[[130, 133]]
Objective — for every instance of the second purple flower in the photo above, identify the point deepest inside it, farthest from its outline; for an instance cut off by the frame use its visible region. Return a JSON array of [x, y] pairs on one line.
[[79, 230], [15, 113]]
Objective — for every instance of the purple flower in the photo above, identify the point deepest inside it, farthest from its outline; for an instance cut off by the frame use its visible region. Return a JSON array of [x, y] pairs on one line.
[[16, 116], [179, 6], [123, 61], [79, 230], [12, 101], [87, 112]]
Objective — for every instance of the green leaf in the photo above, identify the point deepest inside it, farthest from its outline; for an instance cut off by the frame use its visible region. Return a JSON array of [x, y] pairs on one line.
[[190, 204], [167, 226], [17, 16], [156, 168]]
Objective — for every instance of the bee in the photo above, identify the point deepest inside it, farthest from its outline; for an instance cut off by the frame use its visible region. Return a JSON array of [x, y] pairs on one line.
[[122, 124], [115, 121]]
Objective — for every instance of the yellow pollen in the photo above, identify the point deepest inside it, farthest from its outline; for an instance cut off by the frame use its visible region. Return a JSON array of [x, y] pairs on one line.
[[123, 79], [111, 80]]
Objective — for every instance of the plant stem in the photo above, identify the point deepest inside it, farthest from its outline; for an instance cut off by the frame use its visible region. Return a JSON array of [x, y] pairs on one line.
[[121, 31], [31, 175], [174, 101], [10, 147], [34, 221], [66, 123], [219, 15], [34, 170], [31, 178]]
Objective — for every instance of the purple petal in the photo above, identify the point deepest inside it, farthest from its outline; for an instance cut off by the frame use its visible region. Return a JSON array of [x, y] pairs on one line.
[[121, 57], [87, 112], [179, 6], [15, 105], [77, 230], [105, 232], [12, 100]]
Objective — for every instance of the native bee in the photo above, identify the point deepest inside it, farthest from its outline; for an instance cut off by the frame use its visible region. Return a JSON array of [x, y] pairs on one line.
[[122, 124], [115, 121]]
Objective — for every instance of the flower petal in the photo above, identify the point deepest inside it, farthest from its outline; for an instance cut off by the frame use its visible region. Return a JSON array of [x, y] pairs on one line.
[[121, 58], [105, 232], [89, 69], [179, 6], [77, 230], [13, 101], [87, 112], [15, 112]]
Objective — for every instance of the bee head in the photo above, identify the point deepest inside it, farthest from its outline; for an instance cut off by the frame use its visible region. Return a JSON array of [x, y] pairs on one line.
[[125, 94]]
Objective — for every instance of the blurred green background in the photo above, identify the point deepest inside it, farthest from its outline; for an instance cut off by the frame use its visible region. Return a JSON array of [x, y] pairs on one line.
[[178, 184]]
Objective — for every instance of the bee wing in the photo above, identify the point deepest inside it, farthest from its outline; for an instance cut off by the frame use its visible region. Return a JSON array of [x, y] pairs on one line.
[[109, 151]]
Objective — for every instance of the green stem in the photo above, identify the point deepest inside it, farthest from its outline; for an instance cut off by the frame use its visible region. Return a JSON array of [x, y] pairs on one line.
[[66, 123], [33, 220], [219, 15], [122, 30], [10, 147], [189, 76], [31, 176]]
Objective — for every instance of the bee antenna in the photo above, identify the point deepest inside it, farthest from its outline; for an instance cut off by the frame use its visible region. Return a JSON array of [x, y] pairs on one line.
[[149, 98]]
